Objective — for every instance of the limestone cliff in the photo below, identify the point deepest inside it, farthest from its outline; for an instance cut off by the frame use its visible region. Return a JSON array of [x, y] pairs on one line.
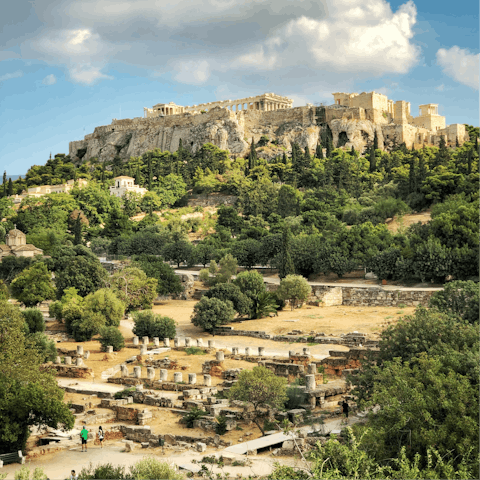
[[233, 131]]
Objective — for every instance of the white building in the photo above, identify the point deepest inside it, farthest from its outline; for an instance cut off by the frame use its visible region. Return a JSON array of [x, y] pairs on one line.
[[125, 184]]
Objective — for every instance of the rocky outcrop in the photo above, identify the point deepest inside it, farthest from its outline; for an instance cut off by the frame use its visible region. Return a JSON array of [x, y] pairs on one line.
[[228, 130]]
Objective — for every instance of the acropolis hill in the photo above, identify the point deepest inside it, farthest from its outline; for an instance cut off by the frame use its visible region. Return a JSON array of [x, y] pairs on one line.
[[352, 120]]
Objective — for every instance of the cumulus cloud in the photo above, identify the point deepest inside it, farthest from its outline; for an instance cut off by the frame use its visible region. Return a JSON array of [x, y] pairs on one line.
[[289, 47], [50, 80], [9, 76], [460, 64]]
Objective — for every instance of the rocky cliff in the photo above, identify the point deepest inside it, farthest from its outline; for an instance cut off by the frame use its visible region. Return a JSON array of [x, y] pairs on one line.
[[229, 130]]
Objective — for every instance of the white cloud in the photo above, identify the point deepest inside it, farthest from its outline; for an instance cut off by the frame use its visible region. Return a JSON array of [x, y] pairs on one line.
[[50, 79], [440, 88], [87, 74], [9, 76], [460, 64], [192, 72], [356, 37]]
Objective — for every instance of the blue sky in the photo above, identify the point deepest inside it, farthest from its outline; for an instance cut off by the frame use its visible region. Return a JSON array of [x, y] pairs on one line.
[[67, 66]]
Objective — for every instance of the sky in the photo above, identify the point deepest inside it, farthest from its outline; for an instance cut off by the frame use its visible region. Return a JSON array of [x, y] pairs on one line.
[[67, 66]]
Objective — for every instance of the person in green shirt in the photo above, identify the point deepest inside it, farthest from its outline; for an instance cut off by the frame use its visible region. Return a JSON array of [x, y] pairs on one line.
[[84, 437]]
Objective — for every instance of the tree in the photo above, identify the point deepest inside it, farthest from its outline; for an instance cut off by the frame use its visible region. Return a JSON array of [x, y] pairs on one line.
[[168, 282], [203, 253], [295, 289], [247, 252], [85, 326], [262, 389], [149, 324], [11, 267], [33, 286], [178, 252], [286, 266], [228, 291], [77, 267], [111, 336], [458, 298], [28, 393], [46, 347], [209, 313], [117, 224], [34, 319], [133, 287], [289, 199], [107, 304], [228, 217]]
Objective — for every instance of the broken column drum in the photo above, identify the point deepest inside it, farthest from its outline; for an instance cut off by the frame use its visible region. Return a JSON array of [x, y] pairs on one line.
[[150, 373], [312, 368], [124, 370], [163, 375], [261, 351], [145, 340], [137, 372], [199, 342], [177, 377], [310, 382], [143, 350], [135, 340], [166, 342], [192, 378], [109, 349], [156, 342], [188, 342], [247, 351], [220, 356], [207, 380], [79, 349], [68, 360], [211, 344]]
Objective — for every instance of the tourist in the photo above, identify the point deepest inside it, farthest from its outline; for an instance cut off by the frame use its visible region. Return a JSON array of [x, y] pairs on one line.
[[73, 476], [101, 436], [84, 437]]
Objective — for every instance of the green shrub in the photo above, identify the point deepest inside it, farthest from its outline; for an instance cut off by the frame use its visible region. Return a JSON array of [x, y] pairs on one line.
[[105, 472], [210, 313], [194, 351], [34, 319], [149, 468], [55, 310], [221, 426], [149, 324], [127, 392], [45, 346], [106, 303], [111, 336], [192, 415], [296, 397]]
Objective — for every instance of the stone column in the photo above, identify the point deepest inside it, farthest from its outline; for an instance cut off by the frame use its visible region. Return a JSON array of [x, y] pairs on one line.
[[247, 351], [207, 380], [211, 344], [199, 342], [261, 351], [79, 361], [291, 353], [176, 342], [58, 360], [86, 355], [145, 340], [306, 351], [188, 342], [234, 351], [312, 369], [150, 373], [166, 342], [310, 382], [163, 375], [79, 349], [177, 377], [220, 356], [143, 350], [109, 349], [135, 340], [137, 372], [156, 342], [68, 360], [192, 378], [124, 370]]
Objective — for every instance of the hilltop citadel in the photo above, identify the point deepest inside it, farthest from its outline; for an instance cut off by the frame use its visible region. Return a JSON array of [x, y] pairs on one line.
[[352, 120]]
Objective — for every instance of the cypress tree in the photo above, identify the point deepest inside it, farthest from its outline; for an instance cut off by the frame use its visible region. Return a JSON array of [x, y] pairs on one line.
[[422, 172], [252, 156], [373, 160], [5, 183], [10, 187], [150, 174], [103, 173], [319, 151], [77, 230], [469, 161], [286, 263], [329, 147], [375, 141], [284, 158], [457, 144], [352, 151], [411, 176], [476, 144], [137, 176]]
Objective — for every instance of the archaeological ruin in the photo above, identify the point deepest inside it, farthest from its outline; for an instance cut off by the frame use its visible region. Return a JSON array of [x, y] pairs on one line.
[[351, 121]]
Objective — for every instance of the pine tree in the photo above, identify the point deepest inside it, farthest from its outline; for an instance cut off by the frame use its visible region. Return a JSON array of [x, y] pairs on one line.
[[442, 156], [10, 187], [286, 263], [422, 172]]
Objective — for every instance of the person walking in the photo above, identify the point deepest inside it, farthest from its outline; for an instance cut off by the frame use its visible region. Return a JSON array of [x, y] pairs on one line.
[[84, 437], [101, 436], [73, 475]]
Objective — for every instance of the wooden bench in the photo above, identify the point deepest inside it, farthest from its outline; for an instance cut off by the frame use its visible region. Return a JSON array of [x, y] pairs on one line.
[[16, 457]]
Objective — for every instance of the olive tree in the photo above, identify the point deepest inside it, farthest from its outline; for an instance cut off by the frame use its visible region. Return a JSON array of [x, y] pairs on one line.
[[295, 289]]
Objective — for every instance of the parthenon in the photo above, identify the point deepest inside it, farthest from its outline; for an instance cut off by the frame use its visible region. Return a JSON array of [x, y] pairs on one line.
[[265, 103]]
